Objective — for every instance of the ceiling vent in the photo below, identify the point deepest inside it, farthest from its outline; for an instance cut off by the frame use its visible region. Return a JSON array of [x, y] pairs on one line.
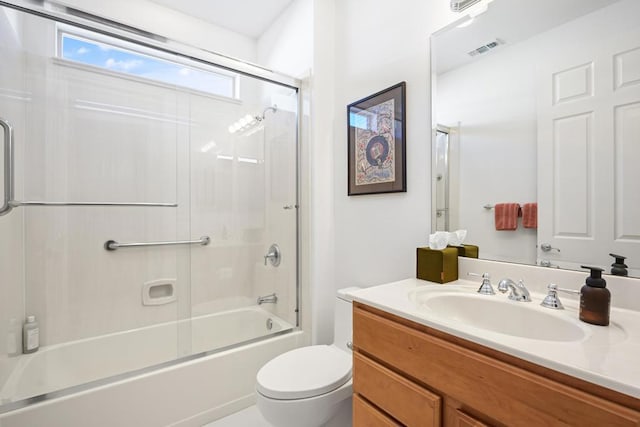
[[460, 5], [485, 48]]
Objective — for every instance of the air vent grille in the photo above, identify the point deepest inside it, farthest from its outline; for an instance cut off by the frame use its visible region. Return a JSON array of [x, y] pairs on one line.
[[460, 5], [485, 48]]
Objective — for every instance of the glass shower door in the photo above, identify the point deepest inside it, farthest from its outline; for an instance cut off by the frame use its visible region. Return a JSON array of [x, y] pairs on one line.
[[151, 191], [244, 190], [97, 158], [441, 178]]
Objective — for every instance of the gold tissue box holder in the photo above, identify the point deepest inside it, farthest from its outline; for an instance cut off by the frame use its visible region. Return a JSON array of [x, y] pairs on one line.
[[467, 251], [440, 266]]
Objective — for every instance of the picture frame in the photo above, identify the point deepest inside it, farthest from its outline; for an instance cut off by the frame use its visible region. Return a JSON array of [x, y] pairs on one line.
[[376, 143]]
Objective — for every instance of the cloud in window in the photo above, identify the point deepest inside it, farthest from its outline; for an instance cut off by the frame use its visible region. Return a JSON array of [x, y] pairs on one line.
[[104, 47], [125, 65]]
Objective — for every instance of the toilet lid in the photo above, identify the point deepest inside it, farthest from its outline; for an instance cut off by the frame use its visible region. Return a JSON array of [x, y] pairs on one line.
[[304, 372]]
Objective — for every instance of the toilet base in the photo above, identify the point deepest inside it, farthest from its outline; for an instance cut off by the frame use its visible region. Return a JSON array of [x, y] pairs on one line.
[[344, 416], [331, 409]]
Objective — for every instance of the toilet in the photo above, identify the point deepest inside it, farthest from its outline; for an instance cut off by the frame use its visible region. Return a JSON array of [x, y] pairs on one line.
[[311, 386]]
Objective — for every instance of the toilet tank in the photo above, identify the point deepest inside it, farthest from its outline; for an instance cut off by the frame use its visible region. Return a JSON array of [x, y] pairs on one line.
[[343, 318]]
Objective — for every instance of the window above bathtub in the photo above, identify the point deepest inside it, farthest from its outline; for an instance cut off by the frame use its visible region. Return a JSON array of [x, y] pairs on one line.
[[117, 56]]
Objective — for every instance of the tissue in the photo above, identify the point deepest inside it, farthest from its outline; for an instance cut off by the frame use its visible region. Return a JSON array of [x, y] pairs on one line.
[[440, 239], [456, 238]]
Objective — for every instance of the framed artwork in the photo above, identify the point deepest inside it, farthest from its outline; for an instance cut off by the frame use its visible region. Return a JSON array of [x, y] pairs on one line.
[[376, 140]]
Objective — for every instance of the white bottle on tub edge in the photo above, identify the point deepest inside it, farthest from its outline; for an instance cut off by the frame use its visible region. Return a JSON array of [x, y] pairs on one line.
[[30, 335]]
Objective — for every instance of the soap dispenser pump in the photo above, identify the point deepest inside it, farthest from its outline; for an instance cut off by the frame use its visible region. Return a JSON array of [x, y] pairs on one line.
[[595, 299], [619, 268]]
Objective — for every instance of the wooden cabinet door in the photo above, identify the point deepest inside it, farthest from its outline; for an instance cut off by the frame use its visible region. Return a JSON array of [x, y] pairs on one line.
[[366, 415], [406, 401]]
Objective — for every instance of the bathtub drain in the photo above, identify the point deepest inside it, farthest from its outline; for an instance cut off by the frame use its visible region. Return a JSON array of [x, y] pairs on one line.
[[269, 324]]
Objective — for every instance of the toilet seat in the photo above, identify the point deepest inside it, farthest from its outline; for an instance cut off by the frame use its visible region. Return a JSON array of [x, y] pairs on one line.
[[304, 372]]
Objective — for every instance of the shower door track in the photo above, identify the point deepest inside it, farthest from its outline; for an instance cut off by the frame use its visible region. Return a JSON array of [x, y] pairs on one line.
[[68, 15], [19, 404]]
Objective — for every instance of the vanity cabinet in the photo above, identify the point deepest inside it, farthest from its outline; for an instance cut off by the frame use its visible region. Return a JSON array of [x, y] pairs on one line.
[[409, 374]]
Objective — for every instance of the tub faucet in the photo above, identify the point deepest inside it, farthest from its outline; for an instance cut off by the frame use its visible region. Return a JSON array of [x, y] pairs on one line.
[[271, 298], [519, 292]]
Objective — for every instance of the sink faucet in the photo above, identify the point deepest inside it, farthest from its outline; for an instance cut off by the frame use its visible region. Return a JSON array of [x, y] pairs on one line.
[[519, 292]]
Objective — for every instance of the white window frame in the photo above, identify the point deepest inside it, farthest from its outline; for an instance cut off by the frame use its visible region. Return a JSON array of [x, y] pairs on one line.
[[136, 49]]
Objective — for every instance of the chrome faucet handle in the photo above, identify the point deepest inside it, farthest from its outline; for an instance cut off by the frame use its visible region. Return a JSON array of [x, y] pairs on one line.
[[485, 288], [552, 300], [519, 291], [274, 255]]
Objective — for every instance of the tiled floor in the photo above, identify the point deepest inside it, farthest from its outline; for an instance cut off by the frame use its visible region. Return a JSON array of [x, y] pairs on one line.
[[249, 417]]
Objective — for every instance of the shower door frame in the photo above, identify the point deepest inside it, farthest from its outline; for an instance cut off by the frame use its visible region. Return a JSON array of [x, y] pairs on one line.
[[86, 21]]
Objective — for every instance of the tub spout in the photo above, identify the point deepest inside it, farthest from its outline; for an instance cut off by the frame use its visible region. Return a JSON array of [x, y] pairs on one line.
[[271, 298]]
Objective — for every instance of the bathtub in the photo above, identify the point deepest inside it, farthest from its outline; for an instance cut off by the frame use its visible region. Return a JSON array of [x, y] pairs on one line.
[[217, 380]]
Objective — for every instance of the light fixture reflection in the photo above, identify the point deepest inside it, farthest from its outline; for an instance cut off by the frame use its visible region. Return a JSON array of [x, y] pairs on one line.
[[249, 124]]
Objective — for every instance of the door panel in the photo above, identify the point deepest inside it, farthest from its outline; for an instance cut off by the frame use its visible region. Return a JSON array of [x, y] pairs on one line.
[[588, 132]]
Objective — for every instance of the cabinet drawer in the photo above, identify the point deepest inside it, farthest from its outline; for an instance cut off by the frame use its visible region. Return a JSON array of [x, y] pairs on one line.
[[409, 403], [365, 415], [505, 393], [464, 420]]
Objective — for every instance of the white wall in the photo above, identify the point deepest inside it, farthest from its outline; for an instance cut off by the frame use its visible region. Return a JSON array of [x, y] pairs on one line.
[[372, 238], [287, 45], [493, 101], [320, 172]]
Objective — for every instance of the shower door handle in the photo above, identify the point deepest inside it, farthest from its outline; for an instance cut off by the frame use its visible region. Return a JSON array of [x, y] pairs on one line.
[[8, 167]]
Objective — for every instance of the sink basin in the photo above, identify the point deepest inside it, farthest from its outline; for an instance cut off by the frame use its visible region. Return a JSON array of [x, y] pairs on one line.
[[498, 314]]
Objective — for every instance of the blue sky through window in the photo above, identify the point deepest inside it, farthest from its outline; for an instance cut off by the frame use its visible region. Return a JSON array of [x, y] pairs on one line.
[[121, 60]]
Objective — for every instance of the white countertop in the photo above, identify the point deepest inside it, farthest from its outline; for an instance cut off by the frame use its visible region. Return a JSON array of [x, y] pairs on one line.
[[608, 355]]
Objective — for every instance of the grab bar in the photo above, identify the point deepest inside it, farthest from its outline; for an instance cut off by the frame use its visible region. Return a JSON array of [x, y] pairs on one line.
[[8, 167], [15, 204], [8, 203], [112, 245]]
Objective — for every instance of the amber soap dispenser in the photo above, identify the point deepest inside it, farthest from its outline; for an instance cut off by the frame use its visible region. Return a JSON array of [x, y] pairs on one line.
[[595, 299]]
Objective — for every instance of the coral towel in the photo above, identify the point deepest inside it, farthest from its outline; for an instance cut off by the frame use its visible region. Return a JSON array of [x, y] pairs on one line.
[[506, 216], [530, 215]]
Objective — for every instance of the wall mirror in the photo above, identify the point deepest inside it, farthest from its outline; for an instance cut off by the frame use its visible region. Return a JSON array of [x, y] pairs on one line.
[[539, 102]]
